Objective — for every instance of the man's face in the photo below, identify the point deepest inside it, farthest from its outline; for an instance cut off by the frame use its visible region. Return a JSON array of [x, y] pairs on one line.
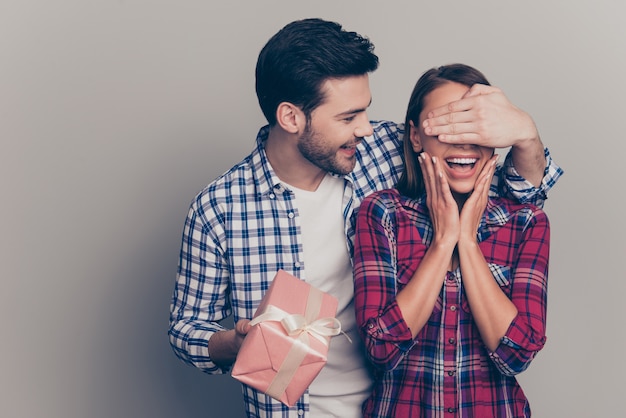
[[338, 125]]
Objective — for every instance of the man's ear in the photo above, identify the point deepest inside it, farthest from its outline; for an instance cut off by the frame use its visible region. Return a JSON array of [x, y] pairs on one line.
[[414, 137], [290, 117]]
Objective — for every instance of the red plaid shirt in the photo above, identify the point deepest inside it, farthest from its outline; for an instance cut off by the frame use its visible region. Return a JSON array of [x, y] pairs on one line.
[[447, 371]]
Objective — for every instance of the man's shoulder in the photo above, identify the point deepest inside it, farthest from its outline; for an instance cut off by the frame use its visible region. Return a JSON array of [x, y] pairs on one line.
[[234, 180], [379, 158], [384, 145], [386, 129]]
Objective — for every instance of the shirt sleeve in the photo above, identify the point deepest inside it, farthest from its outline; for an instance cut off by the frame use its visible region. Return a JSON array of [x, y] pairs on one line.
[[527, 333], [200, 299], [510, 184], [385, 333]]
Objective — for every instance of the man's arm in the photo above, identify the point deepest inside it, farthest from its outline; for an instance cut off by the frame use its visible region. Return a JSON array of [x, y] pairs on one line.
[[200, 298], [485, 116], [529, 160]]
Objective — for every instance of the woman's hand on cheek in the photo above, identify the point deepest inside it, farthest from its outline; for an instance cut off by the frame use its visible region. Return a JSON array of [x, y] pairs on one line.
[[444, 211], [475, 205]]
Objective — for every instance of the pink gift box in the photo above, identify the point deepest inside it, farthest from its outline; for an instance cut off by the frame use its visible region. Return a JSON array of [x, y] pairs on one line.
[[286, 347]]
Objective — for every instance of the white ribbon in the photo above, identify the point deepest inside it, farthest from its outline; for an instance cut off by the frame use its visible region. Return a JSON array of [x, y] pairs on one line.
[[296, 324]]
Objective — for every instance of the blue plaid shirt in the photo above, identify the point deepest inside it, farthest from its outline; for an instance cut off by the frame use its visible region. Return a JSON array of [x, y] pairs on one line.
[[243, 227]]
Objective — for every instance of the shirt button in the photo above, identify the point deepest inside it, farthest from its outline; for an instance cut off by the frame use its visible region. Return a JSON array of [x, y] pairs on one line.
[[451, 410], [291, 215], [300, 412], [453, 308], [272, 196], [296, 264], [451, 340], [451, 373]]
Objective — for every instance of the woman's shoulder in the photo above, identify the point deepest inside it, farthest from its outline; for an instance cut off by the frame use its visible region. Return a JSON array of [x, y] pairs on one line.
[[391, 201], [383, 197]]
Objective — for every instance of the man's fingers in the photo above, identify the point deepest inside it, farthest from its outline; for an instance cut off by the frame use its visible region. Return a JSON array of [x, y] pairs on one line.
[[478, 89], [457, 107], [242, 326], [467, 102], [457, 128]]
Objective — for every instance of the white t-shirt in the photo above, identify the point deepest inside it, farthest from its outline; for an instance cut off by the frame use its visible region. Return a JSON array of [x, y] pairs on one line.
[[344, 383]]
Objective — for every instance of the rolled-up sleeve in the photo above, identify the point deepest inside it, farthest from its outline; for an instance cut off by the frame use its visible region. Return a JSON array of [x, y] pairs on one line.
[[200, 298], [527, 333], [518, 188]]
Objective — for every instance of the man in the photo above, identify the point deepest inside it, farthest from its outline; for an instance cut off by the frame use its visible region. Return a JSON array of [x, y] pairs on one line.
[[292, 202]]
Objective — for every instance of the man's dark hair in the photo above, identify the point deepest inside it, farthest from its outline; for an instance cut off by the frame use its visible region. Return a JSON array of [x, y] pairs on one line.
[[298, 59]]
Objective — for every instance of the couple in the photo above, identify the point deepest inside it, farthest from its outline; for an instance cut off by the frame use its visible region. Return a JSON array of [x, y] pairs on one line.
[[449, 275]]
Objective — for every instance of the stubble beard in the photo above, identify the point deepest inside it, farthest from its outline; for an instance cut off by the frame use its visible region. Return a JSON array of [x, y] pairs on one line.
[[315, 150]]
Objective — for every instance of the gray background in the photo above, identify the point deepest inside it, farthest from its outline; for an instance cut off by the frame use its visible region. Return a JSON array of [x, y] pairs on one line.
[[113, 114]]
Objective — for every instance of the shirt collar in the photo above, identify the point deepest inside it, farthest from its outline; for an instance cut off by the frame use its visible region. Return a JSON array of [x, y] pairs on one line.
[[266, 179], [496, 214]]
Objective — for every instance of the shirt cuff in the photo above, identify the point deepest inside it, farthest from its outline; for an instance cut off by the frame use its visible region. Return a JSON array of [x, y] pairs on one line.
[[391, 327], [524, 191], [517, 349]]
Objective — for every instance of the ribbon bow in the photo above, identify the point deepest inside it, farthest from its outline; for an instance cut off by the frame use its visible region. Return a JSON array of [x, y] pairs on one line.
[[296, 324]]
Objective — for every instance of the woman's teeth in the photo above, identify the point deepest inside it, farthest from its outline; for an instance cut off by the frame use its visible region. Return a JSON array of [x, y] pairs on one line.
[[461, 161]]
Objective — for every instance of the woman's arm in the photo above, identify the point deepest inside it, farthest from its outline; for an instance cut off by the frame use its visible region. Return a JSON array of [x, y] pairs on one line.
[[512, 326], [526, 335], [417, 299], [491, 309], [382, 327]]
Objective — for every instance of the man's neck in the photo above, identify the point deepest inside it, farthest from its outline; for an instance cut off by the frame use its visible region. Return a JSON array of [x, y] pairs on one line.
[[289, 164]]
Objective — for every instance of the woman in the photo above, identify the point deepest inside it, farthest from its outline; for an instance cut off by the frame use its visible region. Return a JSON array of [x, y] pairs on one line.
[[450, 284]]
